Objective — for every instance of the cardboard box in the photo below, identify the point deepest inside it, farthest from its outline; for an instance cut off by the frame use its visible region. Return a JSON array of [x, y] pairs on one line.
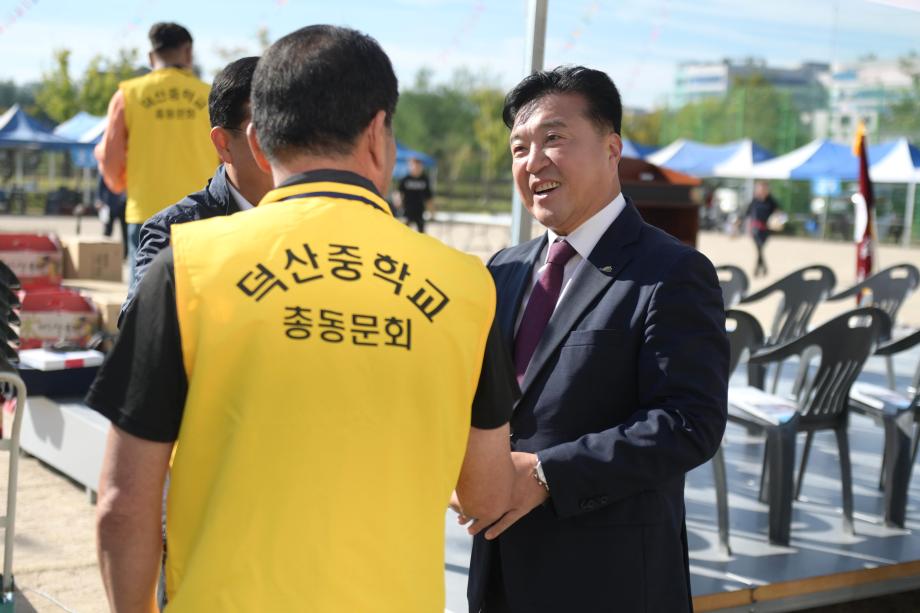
[[92, 258], [91, 286], [109, 306], [108, 296]]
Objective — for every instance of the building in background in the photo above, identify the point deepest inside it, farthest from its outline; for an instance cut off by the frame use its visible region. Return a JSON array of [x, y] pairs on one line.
[[695, 81], [864, 89]]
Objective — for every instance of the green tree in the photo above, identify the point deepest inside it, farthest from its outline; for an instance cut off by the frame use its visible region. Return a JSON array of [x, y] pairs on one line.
[[23, 95], [437, 120], [902, 117], [644, 128], [101, 79], [57, 95], [753, 109], [491, 137]]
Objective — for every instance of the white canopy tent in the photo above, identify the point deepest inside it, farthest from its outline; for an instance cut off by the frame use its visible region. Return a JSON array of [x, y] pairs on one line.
[[898, 162], [730, 160]]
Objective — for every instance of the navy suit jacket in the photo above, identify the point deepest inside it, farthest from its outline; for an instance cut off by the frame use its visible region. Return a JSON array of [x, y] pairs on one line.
[[625, 393]]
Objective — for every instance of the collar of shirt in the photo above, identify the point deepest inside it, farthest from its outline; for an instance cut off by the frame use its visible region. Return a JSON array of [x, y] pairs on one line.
[[329, 176], [584, 239], [341, 184], [586, 236], [241, 202]]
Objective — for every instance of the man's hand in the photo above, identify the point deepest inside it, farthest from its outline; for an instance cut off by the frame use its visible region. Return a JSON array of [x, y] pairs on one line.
[[478, 523], [486, 477], [526, 494]]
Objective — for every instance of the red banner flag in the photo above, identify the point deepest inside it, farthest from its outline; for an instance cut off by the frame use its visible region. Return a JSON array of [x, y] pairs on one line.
[[864, 225]]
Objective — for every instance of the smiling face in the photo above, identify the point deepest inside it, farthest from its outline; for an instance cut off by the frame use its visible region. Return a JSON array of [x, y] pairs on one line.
[[564, 164]]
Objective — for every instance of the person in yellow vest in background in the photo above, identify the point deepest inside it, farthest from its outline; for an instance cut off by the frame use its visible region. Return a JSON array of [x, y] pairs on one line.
[[157, 144], [326, 376]]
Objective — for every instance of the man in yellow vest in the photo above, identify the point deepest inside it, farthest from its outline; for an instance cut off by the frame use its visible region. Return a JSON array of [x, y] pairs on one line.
[[325, 375], [156, 143]]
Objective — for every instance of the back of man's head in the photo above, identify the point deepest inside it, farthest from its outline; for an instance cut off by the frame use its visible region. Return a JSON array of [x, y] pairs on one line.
[[228, 102], [167, 38], [317, 89], [603, 107]]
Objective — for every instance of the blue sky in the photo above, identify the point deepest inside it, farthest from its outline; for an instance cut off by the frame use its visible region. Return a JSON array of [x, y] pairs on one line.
[[638, 42]]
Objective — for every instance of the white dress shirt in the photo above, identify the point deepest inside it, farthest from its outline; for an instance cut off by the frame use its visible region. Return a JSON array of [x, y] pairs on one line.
[[241, 202], [583, 239]]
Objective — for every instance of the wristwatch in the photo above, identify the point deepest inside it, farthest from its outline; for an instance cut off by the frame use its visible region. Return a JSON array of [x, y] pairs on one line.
[[539, 476]]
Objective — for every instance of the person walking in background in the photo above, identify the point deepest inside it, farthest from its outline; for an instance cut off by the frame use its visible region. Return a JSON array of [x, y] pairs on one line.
[[238, 184], [111, 207], [758, 212], [415, 194], [156, 145]]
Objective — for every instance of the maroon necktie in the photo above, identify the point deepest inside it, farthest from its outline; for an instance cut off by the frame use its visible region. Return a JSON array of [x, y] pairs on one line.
[[540, 306]]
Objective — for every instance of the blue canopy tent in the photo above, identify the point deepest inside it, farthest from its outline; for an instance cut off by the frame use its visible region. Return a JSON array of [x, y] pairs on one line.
[[898, 161], [86, 130], [895, 161], [819, 159], [731, 160], [404, 154], [632, 149], [20, 132]]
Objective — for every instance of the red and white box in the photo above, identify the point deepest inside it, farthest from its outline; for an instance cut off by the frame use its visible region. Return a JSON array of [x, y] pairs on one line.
[[54, 315], [36, 259], [45, 359]]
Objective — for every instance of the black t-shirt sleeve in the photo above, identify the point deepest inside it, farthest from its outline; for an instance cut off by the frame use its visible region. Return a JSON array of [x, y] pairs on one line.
[[497, 390], [141, 387], [428, 195]]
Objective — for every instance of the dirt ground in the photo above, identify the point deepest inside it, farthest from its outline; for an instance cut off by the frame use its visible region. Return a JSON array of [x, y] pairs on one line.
[[55, 565]]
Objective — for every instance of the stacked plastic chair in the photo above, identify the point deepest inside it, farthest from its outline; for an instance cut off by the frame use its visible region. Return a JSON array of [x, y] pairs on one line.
[[734, 284], [12, 389], [745, 337], [830, 358], [897, 411], [887, 290], [801, 292]]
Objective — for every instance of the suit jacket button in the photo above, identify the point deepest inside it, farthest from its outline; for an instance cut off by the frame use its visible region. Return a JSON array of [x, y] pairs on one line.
[[603, 500]]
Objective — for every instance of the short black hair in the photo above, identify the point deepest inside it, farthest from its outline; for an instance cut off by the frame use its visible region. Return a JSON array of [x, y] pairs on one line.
[[229, 98], [317, 89], [604, 106], [166, 36]]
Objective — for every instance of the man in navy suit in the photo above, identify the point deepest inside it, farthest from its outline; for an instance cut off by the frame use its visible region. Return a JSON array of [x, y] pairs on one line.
[[618, 335]]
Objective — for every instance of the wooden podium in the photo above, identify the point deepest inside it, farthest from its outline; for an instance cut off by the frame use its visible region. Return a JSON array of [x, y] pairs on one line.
[[664, 197]]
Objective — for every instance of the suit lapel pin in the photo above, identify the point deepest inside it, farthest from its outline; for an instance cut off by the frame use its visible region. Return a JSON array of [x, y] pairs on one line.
[[607, 269]]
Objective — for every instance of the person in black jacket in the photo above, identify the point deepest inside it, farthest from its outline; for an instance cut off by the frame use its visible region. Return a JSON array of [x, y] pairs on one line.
[[415, 194], [237, 185], [113, 206], [759, 210]]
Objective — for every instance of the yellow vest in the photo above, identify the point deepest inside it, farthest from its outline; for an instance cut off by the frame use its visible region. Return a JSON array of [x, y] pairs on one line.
[[332, 357], [169, 148]]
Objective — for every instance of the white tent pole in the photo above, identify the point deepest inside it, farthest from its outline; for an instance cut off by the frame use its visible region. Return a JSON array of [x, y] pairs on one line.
[[533, 62], [909, 214]]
